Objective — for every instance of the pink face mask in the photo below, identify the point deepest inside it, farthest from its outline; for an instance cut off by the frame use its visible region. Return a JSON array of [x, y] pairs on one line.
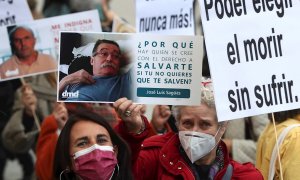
[[95, 162]]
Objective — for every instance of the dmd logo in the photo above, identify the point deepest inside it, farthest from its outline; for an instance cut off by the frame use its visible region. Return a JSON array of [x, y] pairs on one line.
[[67, 94]]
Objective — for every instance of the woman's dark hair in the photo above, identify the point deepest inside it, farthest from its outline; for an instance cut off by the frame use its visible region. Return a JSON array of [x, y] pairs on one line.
[[284, 115], [62, 158]]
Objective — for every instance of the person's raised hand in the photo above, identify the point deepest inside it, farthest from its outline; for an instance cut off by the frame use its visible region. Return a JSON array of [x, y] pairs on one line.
[[130, 113], [81, 76], [28, 99], [107, 12], [160, 116], [60, 114]]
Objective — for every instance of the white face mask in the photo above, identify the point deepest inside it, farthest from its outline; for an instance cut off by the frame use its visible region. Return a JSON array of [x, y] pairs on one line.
[[196, 144]]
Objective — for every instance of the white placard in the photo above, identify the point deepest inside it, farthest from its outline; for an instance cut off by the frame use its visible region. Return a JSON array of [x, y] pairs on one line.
[[253, 53], [173, 17], [13, 12], [153, 69], [46, 32]]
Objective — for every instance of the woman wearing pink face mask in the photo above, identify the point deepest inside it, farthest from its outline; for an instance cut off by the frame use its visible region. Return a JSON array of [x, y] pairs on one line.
[[88, 148]]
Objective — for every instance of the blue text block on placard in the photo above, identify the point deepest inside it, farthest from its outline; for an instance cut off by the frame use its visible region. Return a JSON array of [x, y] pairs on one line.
[[163, 92]]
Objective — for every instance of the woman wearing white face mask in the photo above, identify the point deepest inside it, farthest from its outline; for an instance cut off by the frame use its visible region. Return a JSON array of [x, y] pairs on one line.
[[89, 149], [195, 152]]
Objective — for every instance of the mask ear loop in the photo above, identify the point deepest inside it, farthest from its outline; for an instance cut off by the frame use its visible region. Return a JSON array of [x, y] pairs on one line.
[[114, 171], [217, 142], [64, 171], [222, 126]]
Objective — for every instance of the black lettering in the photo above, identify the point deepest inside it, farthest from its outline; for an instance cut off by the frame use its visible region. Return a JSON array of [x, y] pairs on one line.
[[219, 14], [269, 102], [230, 52], [207, 7], [260, 101], [245, 98], [263, 47], [153, 23], [251, 44], [9, 20], [232, 107], [290, 84]]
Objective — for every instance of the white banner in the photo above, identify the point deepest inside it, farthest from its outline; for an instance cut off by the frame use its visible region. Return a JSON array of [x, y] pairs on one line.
[[145, 68], [46, 33], [13, 12], [173, 17], [253, 53]]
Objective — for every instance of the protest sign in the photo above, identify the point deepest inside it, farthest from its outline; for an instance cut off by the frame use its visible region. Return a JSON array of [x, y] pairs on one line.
[[253, 53], [45, 41], [147, 69], [173, 17], [13, 12]]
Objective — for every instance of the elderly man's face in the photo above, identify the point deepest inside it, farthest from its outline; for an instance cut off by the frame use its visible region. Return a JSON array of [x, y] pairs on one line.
[[198, 118], [106, 62], [23, 42]]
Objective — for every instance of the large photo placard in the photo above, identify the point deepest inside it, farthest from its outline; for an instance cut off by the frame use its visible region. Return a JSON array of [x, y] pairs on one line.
[[253, 53], [144, 68], [32, 48]]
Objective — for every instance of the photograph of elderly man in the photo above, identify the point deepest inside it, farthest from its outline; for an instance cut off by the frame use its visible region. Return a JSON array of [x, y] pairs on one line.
[[25, 59], [106, 83]]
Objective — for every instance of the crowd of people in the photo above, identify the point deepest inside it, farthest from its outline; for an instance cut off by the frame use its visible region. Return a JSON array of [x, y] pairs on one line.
[[55, 140]]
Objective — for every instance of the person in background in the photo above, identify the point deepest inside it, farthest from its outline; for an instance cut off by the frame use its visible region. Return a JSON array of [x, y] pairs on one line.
[[160, 117], [53, 8], [19, 134], [108, 112], [288, 132], [50, 129], [241, 137], [7, 89], [25, 59], [33, 8], [195, 152], [106, 14], [88, 148], [33, 102]]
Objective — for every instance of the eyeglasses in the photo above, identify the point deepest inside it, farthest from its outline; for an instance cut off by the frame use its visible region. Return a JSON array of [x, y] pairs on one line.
[[105, 53]]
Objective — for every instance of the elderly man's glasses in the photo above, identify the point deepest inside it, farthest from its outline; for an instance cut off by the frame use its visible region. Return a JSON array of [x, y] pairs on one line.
[[105, 53]]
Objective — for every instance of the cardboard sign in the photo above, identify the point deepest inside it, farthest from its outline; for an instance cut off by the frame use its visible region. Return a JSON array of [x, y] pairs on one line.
[[172, 17], [145, 68], [13, 12], [253, 53], [46, 41]]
